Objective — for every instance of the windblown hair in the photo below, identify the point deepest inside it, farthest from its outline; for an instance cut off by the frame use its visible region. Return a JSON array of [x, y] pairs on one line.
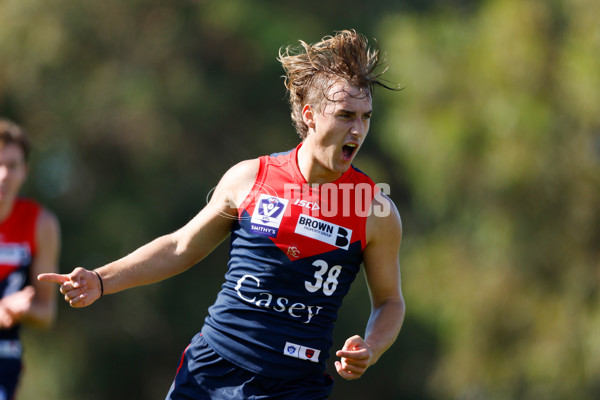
[[11, 133], [310, 70]]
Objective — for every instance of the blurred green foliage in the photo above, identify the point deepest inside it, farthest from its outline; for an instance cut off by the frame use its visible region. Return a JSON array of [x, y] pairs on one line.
[[492, 151]]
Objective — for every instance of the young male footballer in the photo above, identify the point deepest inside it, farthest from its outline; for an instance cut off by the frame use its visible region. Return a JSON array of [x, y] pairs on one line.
[[300, 224], [29, 246]]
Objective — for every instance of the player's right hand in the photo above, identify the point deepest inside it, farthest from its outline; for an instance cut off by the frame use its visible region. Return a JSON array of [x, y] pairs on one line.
[[80, 288]]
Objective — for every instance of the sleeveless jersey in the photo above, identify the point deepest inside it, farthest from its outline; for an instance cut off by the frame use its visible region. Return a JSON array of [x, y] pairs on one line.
[[17, 249], [295, 250]]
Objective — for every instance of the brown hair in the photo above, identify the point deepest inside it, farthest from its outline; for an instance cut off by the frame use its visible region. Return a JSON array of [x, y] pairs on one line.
[[310, 70], [11, 133]]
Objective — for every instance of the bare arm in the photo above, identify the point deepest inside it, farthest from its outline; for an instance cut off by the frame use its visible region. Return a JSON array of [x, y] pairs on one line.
[[382, 269], [43, 308], [167, 255]]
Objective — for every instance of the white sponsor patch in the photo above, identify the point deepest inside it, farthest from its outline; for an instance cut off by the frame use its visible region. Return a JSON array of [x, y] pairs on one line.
[[267, 215], [324, 231], [10, 349], [301, 352], [14, 254]]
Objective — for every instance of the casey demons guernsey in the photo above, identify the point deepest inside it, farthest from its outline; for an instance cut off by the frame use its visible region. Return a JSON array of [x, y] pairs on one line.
[[295, 250], [17, 249]]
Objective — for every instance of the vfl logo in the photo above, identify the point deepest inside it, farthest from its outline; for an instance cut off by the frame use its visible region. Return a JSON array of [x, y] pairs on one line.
[[291, 350], [269, 208], [267, 215], [324, 231]]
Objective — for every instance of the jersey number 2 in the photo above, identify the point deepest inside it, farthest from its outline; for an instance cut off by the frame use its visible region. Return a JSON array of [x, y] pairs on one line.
[[330, 283]]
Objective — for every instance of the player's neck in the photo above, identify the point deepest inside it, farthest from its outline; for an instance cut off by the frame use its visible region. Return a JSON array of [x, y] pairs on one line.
[[313, 171]]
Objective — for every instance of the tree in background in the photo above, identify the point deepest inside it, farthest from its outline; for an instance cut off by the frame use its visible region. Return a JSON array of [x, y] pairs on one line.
[[497, 136]]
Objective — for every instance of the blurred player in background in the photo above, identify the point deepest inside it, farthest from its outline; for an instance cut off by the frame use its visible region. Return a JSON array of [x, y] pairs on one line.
[[29, 245], [300, 223]]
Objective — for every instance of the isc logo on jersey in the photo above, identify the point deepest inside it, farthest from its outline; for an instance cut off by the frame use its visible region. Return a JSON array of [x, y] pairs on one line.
[[267, 215], [324, 231]]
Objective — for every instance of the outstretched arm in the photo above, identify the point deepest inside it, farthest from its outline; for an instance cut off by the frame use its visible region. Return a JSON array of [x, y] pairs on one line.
[[167, 255], [382, 270]]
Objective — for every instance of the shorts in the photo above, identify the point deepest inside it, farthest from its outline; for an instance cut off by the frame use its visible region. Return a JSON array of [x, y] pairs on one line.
[[10, 370], [204, 375]]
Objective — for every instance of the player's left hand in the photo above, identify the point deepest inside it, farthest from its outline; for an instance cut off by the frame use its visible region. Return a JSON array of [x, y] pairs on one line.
[[355, 358], [14, 306]]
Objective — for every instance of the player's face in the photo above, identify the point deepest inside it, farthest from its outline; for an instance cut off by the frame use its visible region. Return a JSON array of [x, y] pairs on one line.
[[340, 126], [13, 171]]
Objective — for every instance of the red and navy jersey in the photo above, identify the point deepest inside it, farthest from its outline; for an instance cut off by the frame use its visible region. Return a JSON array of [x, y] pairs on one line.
[[17, 250], [295, 250]]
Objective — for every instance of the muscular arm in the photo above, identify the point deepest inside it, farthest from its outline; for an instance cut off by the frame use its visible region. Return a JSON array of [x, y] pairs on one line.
[[382, 269], [170, 254]]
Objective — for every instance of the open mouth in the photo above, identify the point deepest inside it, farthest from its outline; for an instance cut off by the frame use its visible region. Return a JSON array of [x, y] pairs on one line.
[[348, 150]]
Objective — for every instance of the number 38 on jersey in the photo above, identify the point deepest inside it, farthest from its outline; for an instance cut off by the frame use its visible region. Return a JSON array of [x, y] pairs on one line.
[[325, 278]]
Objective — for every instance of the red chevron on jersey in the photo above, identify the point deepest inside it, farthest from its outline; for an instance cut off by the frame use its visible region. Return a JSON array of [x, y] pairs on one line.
[[302, 219]]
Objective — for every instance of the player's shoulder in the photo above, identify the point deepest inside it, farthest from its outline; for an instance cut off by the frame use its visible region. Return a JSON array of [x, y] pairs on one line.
[[243, 171], [46, 216], [384, 219], [47, 222], [239, 180]]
